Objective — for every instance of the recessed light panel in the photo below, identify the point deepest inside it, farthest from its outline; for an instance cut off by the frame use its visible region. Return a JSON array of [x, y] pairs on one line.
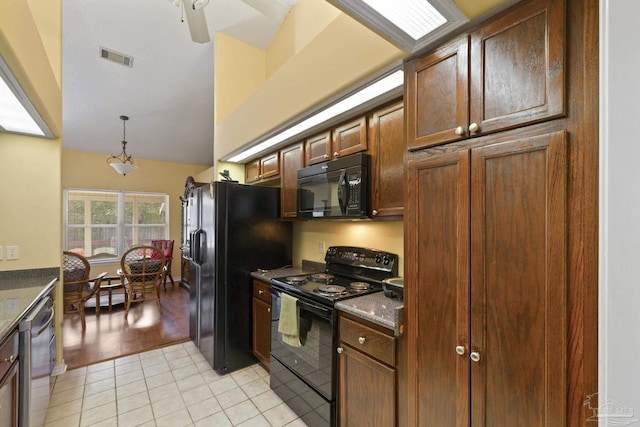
[[416, 18], [17, 114]]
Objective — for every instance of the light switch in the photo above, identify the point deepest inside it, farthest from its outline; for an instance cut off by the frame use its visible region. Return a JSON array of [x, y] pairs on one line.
[[12, 252]]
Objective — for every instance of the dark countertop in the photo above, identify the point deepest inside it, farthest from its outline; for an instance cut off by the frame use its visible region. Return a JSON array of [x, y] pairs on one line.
[[376, 308], [308, 267], [20, 290]]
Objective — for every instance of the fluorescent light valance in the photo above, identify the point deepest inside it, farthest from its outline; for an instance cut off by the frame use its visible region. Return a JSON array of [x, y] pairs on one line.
[[389, 83], [17, 113]]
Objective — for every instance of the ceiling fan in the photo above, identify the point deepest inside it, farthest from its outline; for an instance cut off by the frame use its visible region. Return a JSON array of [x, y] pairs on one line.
[[193, 9]]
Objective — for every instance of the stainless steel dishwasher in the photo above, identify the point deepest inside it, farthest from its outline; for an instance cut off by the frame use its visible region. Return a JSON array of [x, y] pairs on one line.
[[36, 335]]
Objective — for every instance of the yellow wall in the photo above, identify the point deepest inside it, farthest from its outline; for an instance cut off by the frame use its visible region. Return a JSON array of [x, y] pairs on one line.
[[90, 171], [30, 194], [475, 8], [304, 22], [239, 71], [338, 57], [307, 236]]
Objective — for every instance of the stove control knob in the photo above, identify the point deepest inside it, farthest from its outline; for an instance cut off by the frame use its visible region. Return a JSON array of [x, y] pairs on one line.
[[340, 350], [378, 259], [386, 260]]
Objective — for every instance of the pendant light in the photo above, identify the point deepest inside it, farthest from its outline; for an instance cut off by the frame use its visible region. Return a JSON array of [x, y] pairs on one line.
[[122, 163]]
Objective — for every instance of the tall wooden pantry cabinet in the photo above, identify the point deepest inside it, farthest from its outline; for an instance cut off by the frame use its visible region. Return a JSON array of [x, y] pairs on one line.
[[501, 221]]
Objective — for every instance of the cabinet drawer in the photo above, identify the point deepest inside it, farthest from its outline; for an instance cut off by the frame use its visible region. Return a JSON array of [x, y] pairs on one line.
[[374, 343], [7, 349], [261, 291]]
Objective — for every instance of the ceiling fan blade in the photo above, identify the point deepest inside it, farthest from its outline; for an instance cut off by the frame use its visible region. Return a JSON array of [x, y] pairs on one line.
[[197, 23]]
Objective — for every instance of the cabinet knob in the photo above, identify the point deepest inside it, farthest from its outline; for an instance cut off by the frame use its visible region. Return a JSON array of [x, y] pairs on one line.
[[475, 356], [326, 156], [374, 212], [339, 350], [260, 292], [460, 350], [459, 131], [336, 154], [473, 127], [9, 359], [361, 340], [257, 176], [269, 310]]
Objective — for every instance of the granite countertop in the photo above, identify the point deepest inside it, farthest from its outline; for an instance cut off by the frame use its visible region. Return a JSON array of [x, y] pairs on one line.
[[376, 308], [20, 290], [308, 267]]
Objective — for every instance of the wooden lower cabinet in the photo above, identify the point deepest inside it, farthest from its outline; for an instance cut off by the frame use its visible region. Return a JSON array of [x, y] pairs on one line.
[[367, 383], [9, 381], [487, 324], [261, 322]]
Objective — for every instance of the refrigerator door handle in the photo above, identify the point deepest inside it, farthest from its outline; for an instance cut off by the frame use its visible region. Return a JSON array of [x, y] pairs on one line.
[[196, 246]]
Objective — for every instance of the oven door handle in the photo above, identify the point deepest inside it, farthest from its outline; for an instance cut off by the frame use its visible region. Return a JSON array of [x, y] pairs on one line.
[[315, 309]]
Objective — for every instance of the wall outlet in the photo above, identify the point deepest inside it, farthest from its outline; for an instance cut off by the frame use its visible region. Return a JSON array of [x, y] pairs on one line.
[[1, 254], [12, 252], [321, 248]]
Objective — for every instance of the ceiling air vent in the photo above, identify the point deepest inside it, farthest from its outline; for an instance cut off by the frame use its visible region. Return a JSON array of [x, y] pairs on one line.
[[117, 57]]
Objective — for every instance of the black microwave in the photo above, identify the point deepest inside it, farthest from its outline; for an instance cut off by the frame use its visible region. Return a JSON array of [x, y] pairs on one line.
[[335, 189]]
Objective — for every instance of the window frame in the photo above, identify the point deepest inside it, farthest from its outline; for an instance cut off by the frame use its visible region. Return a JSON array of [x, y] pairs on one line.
[[120, 226]]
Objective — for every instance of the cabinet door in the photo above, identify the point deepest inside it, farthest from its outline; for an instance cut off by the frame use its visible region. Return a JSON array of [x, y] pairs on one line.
[[437, 95], [386, 146], [350, 138], [261, 331], [9, 365], [317, 148], [270, 165], [366, 394], [518, 282], [252, 171], [292, 160], [517, 67], [437, 302]]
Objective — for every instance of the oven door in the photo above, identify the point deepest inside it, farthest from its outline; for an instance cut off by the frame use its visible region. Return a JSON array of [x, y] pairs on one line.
[[314, 361]]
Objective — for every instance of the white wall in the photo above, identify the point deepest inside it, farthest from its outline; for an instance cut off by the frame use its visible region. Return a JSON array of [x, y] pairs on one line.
[[619, 258]]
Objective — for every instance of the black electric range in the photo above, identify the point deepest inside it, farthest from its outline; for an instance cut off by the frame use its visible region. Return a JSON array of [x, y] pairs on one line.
[[350, 271]]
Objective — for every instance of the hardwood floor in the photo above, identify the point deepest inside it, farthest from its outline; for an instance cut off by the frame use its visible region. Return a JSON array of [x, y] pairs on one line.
[[110, 335]]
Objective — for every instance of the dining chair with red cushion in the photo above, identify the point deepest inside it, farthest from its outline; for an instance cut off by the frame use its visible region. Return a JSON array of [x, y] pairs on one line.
[[166, 246]]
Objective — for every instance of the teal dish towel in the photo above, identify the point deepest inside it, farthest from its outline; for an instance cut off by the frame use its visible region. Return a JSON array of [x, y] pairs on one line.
[[288, 325]]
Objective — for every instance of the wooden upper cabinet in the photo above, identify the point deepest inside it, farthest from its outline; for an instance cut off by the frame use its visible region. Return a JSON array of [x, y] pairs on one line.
[[437, 95], [263, 168], [292, 159], [507, 73], [386, 147], [517, 67], [349, 138], [252, 171], [270, 166], [318, 148]]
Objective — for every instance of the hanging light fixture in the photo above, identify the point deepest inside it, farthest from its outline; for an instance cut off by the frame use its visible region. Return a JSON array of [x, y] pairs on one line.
[[122, 163]]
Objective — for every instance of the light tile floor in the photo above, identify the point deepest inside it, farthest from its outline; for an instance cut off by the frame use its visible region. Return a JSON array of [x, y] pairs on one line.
[[173, 386]]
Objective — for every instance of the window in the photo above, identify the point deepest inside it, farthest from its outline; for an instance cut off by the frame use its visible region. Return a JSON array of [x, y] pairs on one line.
[[101, 225]]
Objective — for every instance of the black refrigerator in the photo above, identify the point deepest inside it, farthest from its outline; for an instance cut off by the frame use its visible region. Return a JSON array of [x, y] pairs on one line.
[[234, 229]]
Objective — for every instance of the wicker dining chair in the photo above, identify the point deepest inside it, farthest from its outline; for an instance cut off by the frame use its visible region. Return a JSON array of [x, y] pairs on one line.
[[77, 287], [143, 270]]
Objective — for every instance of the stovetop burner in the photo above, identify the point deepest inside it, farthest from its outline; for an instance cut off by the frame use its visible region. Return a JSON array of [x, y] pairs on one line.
[[295, 280], [321, 278], [331, 290], [359, 286]]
